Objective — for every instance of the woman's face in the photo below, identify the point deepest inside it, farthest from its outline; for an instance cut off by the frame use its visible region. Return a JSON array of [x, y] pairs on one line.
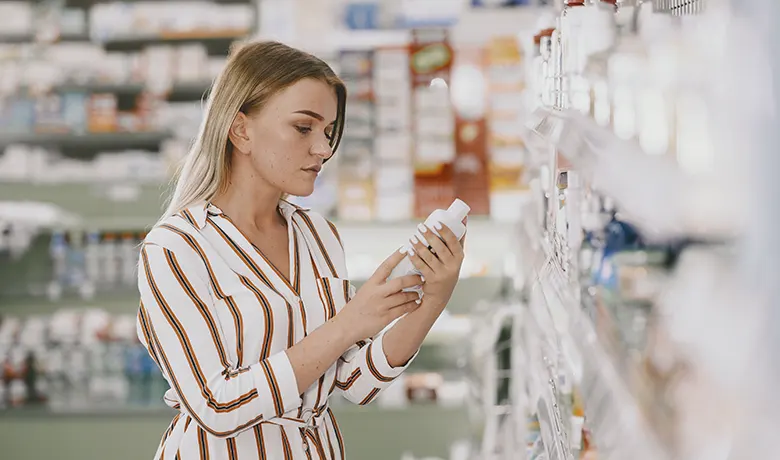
[[287, 141]]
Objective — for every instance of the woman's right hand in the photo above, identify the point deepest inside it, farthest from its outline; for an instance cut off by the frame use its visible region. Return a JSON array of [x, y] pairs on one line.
[[379, 302]]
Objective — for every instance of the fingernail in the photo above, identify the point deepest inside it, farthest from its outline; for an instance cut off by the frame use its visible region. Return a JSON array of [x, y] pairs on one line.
[[410, 252], [403, 249], [437, 225], [414, 239], [422, 228], [422, 278], [418, 301]]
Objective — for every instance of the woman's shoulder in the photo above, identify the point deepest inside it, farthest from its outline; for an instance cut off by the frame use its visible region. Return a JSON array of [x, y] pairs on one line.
[[323, 227], [174, 232]]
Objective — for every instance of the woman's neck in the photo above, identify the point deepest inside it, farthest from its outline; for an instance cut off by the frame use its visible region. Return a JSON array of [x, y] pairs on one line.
[[250, 203]]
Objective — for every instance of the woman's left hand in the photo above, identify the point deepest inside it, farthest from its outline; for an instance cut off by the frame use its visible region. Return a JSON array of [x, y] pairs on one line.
[[440, 265]]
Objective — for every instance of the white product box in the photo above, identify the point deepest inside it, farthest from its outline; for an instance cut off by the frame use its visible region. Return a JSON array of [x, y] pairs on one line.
[[398, 206], [431, 99], [391, 61], [16, 18], [392, 118], [191, 63], [435, 126], [435, 150], [394, 147], [158, 61], [392, 178]]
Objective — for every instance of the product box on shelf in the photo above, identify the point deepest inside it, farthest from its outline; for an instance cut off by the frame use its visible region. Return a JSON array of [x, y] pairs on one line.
[[356, 154], [471, 125], [508, 156], [102, 113], [430, 64]]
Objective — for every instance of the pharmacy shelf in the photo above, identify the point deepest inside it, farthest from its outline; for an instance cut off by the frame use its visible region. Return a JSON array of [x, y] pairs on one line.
[[22, 39], [90, 3], [102, 206], [615, 419], [217, 43], [88, 144], [686, 206], [125, 300], [179, 92]]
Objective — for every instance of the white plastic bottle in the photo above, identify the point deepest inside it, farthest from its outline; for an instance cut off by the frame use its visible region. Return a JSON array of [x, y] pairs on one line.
[[452, 217]]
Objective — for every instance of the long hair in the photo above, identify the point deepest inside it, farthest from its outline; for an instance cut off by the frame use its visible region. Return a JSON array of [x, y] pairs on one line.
[[254, 72]]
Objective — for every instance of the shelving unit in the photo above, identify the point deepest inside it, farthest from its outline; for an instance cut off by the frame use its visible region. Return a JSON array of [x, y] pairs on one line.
[[89, 142], [218, 43], [179, 92]]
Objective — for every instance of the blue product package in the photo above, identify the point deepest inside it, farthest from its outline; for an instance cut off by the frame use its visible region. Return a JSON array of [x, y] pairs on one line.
[[74, 109], [361, 15], [22, 115]]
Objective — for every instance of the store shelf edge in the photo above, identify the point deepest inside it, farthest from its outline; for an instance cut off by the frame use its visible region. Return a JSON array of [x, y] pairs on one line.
[[112, 140]]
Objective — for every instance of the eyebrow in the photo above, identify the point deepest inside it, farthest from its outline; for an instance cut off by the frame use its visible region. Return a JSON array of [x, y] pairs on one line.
[[313, 115]]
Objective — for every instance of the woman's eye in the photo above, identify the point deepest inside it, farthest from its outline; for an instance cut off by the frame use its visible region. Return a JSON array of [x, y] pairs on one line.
[[303, 129]]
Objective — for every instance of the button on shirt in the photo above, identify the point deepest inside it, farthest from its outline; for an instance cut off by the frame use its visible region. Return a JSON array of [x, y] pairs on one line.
[[217, 317]]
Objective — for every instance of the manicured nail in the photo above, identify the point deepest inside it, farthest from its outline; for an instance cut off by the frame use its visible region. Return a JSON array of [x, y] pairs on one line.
[[437, 225], [403, 249], [414, 239], [422, 278], [422, 228], [410, 252], [418, 301]]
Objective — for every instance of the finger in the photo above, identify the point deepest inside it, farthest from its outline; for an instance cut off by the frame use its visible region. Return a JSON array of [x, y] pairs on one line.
[[420, 264], [402, 283], [402, 310], [384, 270], [401, 298], [450, 240], [421, 249]]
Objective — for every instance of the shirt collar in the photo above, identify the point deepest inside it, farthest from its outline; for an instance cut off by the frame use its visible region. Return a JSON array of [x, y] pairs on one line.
[[199, 212]]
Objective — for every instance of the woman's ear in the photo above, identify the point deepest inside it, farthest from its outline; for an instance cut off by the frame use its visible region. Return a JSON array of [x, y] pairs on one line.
[[239, 134]]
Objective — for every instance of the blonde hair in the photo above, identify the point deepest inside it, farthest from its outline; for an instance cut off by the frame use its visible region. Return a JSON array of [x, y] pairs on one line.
[[254, 72]]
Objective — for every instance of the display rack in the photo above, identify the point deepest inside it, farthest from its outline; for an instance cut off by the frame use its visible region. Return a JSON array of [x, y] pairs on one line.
[[87, 143], [596, 186], [680, 7]]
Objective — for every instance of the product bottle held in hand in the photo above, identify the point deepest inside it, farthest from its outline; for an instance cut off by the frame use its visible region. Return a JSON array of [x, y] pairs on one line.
[[452, 217]]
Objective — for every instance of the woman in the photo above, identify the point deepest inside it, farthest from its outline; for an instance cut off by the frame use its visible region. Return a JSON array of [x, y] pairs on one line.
[[245, 301]]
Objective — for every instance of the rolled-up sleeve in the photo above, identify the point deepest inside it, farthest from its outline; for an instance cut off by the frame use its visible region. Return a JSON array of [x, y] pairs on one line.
[[363, 371], [177, 324]]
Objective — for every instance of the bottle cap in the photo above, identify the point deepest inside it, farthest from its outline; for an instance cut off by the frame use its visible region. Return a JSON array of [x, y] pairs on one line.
[[459, 209]]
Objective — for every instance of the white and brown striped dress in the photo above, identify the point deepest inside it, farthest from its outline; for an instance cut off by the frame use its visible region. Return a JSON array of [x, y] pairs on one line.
[[217, 318]]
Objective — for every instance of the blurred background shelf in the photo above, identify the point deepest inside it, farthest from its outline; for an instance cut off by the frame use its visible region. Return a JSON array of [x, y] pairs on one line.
[[179, 92], [217, 43], [29, 38], [88, 144]]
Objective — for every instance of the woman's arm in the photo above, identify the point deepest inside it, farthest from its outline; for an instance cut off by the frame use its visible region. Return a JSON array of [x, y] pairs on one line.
[[440, 271], [366, 370], [176, 323]]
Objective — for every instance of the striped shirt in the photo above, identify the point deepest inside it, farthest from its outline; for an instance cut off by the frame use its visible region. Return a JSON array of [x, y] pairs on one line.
[[217, 317]]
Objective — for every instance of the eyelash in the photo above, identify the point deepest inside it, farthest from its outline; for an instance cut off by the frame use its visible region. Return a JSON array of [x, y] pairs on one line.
[[306, 130]]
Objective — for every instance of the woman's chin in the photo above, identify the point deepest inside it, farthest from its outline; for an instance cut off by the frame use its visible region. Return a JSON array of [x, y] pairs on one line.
[[302, 190]]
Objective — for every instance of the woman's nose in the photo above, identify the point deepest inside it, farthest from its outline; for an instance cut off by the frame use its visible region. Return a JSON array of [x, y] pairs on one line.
[[322, 149]]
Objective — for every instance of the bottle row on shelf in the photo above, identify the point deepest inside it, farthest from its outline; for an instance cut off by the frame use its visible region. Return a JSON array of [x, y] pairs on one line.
[[621, 284], [89, 360], [105, 21]]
